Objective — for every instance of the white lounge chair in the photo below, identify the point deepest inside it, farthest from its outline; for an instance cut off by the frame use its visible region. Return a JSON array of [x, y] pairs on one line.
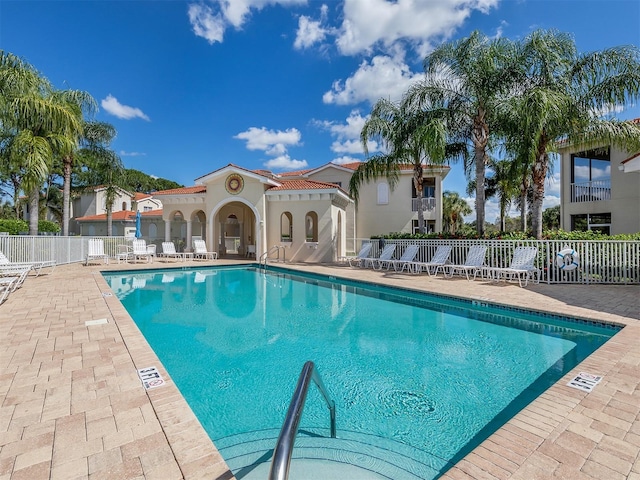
[[200, 251], [36, 266], [473, 263], [406, 259], [16, 272], [169, 251], [6, 287], [385, 255], [522, 266], [364, 252], [95, 251], [140, 251], [437, 262], [124, 253]]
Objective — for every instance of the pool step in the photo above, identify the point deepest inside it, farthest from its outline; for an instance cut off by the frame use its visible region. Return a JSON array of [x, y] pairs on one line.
[[352, 455]]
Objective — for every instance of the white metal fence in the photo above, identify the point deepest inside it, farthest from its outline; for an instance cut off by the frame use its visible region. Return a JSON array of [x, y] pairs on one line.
[[611, 261], [27, 248]]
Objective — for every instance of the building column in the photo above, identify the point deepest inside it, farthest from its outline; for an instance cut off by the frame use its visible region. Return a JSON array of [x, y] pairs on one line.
[[189, 247], [167, 230]]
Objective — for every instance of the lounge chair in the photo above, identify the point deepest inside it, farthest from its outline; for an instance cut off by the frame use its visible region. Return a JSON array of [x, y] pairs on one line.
[[17, 273], [6, 287], [140, 251], [96, 251], [200, 251], [522, 266], [36, 266], [124, 253], [169, 251], [385, 256], [437, 262], [473, 263], [405, 260], [364, 252]]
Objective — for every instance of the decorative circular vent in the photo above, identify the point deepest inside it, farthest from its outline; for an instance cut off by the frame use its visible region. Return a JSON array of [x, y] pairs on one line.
[[234, 184]]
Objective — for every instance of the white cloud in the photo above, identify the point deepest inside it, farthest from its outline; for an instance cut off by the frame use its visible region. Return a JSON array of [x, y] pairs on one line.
[[274, 143], [122, 153], [284, 162], [383, 77], [112, 106], [369, 23], [210, 19], [205, 23], [310, 31], [347, 134], [270, 140]]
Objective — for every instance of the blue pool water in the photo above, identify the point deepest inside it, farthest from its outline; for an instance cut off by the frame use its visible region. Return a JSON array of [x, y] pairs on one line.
[[434, 374]]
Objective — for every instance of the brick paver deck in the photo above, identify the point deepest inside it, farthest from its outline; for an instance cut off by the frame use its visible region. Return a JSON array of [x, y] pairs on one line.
[[72, 406]]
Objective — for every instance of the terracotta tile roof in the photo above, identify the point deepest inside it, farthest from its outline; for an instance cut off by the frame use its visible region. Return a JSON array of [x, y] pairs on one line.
[[140, 196], [350, 166], [183, 190], [121, 216], [295, 173], [303, 185]]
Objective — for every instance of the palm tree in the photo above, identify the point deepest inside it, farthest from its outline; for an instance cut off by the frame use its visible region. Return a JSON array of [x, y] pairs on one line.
[[103, 167], [409, 137], [469, 78], [80, 102], [453, 210], [38, 124], [562, 99]]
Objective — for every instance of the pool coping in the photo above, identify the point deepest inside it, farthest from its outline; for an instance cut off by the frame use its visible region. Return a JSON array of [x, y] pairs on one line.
[[564, 433]]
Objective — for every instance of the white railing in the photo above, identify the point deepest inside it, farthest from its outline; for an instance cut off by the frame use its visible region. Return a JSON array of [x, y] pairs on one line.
[[591, 191], [427, 204], [606, 261], [28, 248]]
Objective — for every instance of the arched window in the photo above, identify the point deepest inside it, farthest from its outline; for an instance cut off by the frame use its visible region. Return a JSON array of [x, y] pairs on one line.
[[124, 206], [383, 193], [286, 227], [311, 227]]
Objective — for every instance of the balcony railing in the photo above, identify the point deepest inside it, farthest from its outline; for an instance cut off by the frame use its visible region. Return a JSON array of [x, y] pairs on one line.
[[594, 191], [427, 204]]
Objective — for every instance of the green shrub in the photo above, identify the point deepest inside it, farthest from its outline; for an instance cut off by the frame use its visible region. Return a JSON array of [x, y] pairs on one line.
[[16, 227], [45, 226], [13, 226]]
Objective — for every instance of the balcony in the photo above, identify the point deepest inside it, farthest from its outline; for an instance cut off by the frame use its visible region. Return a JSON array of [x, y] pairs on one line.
[[427, 204], [593, 191]]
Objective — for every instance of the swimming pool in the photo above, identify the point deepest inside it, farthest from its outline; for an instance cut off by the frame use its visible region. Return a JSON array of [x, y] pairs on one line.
[[418, 380]]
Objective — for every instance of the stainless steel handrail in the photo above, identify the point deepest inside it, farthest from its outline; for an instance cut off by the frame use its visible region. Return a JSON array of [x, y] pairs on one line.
[[284, 447], [275, 248]]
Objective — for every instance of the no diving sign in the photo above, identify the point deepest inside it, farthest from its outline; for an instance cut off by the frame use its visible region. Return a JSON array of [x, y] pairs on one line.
[[584, 381], [150, 377]]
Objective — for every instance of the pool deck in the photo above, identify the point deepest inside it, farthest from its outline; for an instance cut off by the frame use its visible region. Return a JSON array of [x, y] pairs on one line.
[[72, 405]]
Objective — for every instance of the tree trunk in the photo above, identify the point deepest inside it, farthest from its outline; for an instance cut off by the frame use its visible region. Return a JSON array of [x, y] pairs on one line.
[[539, 177], [34, 210], [109, 221], [480, 138], [418, 182], [66, 195]]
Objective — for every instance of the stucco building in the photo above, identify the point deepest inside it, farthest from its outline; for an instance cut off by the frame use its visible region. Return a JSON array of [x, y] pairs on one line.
[[600, 190], [308, 214]]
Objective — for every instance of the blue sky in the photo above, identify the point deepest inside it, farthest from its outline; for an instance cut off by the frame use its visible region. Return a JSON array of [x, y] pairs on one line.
[[276, 84]]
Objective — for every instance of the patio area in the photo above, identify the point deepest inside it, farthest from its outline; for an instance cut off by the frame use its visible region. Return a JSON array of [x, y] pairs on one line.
[[72, 405]]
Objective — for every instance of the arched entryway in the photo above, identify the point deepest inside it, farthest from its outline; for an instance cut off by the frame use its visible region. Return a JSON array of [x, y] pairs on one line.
[[236, 229]]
